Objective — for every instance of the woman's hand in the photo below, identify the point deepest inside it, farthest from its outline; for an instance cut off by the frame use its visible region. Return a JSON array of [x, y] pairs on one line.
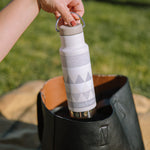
[[63, 8]]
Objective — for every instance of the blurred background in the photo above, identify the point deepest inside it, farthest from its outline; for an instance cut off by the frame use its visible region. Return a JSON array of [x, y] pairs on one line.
[[117, 32]]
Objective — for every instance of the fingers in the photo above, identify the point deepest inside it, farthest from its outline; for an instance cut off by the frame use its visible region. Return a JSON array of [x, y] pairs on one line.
[[77, 7], [64, 10], [57, 14], [66, 15]]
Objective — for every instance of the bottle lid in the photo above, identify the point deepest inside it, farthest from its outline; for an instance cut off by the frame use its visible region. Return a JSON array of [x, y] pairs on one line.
[[67, 30]]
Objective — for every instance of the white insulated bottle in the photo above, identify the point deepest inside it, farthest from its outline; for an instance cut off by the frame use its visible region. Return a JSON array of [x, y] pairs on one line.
[[77, 72]]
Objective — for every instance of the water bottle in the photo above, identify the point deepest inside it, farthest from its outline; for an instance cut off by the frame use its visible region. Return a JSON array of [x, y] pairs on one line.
[[77, 73]]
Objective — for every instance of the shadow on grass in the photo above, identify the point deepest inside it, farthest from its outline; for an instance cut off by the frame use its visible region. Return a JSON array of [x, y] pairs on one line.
[[126, 3]]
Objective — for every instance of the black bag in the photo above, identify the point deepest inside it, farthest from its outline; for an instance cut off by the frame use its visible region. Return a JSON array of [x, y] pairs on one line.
[[114, 126]]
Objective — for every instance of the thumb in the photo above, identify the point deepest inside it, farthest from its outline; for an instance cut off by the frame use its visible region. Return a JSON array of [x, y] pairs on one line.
[[66, 15]]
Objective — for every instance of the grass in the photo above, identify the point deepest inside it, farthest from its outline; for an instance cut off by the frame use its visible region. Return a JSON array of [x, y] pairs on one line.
[[127, 1], [133, 1], [118, 37]]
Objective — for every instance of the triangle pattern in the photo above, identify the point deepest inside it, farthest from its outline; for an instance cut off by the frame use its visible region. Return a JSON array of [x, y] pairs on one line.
[[86, 94], [79, 80], [88, 77], [75, 96], [69, 80]]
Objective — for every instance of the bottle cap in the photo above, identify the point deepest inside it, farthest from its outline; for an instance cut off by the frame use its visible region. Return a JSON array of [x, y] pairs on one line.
[[67, 30]]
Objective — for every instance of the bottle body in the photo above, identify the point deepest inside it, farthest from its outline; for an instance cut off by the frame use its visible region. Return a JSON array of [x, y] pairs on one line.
[[77, 74]]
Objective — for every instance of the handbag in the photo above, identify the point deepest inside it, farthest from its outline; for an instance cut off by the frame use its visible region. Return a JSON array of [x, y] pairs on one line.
[[114, 125]]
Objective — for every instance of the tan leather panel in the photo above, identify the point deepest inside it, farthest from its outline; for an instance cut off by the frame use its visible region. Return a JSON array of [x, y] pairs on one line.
[[53, 92]]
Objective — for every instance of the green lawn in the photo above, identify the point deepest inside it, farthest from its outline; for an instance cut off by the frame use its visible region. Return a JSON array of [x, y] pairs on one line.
[[118, 37], [131, 1]]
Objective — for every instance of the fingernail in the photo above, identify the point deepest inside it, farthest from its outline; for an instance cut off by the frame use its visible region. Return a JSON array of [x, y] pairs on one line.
[[73, 23]]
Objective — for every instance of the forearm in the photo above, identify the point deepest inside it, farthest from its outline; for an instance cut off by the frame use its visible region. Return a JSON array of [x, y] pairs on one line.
[[14, 19]]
